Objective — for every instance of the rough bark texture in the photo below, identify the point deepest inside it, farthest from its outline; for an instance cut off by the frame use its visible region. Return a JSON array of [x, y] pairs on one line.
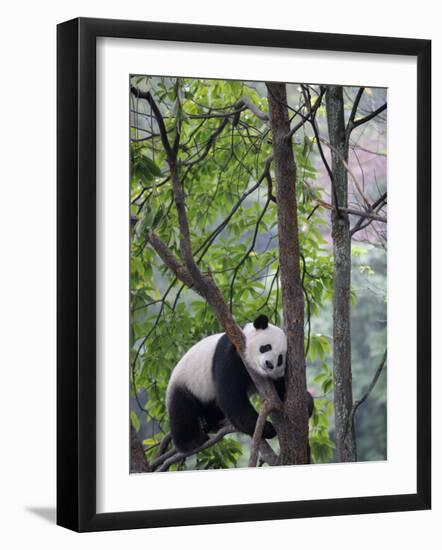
[[257, 436], [138, 462], [293, 429], [343, 396]]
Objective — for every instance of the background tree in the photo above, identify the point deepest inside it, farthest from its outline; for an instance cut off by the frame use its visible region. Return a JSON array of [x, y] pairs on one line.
[[339, 136], [343, 394]]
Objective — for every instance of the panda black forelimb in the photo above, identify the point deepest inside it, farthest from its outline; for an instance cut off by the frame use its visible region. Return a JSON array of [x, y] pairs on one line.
[[280, 389]]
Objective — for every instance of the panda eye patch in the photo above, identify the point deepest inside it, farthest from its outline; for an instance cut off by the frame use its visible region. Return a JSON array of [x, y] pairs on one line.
[[280, 359], [263, 349]]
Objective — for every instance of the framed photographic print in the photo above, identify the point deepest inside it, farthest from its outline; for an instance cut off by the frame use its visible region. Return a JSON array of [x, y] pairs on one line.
[[243, 274]]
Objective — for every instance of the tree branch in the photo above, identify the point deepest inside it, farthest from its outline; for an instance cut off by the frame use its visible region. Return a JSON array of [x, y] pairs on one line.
[[361, 213], [346, 166], [378, 203], [250, 249], [354, 110], [209, 240], [164, 443], [158, 117], [330, 173], [172, 262], [166, 458], [268, 454], [312, 113], [159, 460], [209, 143], [372, 384], [257, 434], [247, 102], [357, 404], [355, 181], [365, 119], [178, 457]]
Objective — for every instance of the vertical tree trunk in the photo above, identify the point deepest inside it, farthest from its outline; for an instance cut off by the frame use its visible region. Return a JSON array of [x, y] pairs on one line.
[[138, 462], [343, 395], [293, 430]]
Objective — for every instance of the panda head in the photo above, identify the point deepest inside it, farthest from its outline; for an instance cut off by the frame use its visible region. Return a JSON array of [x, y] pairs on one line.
[[266, 348]]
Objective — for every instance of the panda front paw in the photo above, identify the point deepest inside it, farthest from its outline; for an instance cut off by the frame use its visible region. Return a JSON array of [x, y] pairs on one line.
[[269, 431]]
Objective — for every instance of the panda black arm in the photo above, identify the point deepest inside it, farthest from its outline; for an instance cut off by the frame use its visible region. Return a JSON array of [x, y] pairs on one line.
[[280, 388], [238, 409], [232, 382]]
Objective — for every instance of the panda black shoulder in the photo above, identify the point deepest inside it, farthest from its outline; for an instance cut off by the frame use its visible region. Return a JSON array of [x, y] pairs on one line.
[[227, 367]]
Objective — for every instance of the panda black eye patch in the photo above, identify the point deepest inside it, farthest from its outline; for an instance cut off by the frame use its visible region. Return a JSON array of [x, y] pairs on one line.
[[263, 349], [280, 359]]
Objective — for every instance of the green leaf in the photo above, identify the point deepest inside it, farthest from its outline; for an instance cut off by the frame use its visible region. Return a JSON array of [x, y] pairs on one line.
[[135, 420]]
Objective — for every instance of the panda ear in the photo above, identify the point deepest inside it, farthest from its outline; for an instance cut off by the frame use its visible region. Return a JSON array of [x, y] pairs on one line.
[[261, 322]]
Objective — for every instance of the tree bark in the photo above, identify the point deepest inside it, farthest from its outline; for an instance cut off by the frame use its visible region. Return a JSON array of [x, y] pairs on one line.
[[138, 461], [293, 429], [343, 394]]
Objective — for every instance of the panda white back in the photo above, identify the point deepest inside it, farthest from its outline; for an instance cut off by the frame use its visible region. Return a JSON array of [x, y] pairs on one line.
[[194, 370]]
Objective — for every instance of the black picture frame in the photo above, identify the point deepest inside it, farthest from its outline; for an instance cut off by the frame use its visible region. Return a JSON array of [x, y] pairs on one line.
[[76, 273]]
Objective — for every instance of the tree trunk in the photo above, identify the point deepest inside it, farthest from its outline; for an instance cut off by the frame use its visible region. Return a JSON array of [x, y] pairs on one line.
[[293, 430], [138, 462], [343, 396]]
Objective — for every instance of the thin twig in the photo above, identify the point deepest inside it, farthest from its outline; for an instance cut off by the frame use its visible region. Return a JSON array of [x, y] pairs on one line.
[[357, 404]]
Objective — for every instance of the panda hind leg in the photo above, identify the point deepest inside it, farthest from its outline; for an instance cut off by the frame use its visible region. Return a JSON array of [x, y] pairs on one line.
[[185, 413], [214, 418]]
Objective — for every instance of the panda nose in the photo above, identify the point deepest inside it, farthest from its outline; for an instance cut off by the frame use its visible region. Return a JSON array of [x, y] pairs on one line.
[[269, 365]]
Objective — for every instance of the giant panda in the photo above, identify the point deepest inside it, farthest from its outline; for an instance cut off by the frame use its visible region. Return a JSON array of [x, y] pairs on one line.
[[211, 384]]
